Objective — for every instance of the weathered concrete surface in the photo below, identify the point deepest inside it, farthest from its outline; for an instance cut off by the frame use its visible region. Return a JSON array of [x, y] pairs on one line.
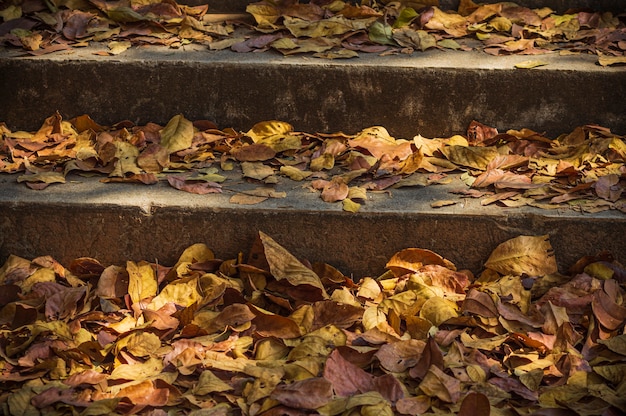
[[432, 93], [116, 222]]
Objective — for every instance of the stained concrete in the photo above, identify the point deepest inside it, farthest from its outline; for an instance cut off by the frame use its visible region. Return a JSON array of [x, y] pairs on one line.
[[118, 222], [434, 93]]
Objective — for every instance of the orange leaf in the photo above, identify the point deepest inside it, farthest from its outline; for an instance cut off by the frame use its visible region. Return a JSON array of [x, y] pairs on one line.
[[411, 260]]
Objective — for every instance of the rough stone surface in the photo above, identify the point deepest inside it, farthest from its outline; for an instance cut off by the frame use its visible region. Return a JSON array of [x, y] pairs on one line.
[[433, 93], [116, 222]]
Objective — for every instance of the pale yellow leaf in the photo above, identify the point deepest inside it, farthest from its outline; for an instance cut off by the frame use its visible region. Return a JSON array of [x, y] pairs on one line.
[[531, 255], [142, 282], [177, 134]]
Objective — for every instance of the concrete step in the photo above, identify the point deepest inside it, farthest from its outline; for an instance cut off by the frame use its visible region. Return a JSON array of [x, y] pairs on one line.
[[119, 222], [435, 93]]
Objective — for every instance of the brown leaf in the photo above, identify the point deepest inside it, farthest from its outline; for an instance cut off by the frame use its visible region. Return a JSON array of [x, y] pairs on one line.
[[87, 377], [413, 405], [479, 303], [65, 304], [438, 384], [334, 313], [195, 187], [399, 356], [335, 190], [267, 325], [347, 379], [475, 404], [413, 259], [231, 316], [283, 265], [310, 393], [144, 393], [256, 152], [431, 356], [153, 158], [606, 310]]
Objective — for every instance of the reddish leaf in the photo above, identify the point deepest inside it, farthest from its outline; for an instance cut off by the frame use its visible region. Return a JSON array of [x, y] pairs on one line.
[[347, 379], [194, 187]]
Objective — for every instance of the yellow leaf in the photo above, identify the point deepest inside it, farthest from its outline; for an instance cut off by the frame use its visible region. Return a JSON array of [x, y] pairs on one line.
[[487, 344], [336, 25], [256, 196], [256, 170], [413, 259], [139, 344], [373, 317], [606, 60], [530, 64], [349, 205], [368, 289], [337, 54], [210, 383], [115, 48], [177, 134], [270, 349], [45, 177], [378, 142], [11, 12], [438, 310], [196, 253], [324, 161], [531, 255], [142, 281], [442, 203], [264, 14], [180, 293], [553, 397], [40, 275], [14, 264], [137, 371], [126, 155], [290, 47], [294, 174], [402, 302], [267, 129], [451, 23], [283, 265], [470, 156], [19, 402]]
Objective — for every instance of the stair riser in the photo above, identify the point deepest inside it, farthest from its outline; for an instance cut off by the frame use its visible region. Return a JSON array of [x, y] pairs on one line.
[[407, 99], [358, 244]]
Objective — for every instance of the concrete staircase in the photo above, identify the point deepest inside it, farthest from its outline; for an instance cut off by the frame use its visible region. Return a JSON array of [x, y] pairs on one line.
[[433, 93]]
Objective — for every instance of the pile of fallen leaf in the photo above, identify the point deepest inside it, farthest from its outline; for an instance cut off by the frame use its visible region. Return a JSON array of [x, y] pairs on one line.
[[273, 335], [326, 28], [583, 170]]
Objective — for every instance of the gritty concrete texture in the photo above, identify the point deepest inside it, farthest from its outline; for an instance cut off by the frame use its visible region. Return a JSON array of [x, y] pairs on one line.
[[118, 222], [435, 93]]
